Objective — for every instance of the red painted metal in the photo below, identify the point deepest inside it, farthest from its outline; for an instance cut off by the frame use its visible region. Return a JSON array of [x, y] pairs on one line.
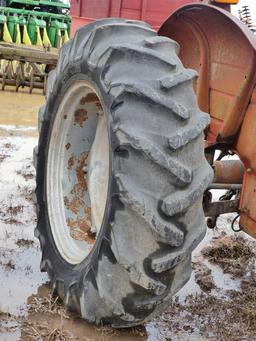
[[152, 11], [246, 148], [228, 172], [223, 51]]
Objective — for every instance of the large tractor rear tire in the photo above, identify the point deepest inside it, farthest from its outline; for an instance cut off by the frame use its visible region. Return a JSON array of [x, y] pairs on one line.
[[120, 173]]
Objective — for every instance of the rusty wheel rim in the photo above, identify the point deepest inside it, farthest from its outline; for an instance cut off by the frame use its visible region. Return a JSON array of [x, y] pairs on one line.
[[77, 172]]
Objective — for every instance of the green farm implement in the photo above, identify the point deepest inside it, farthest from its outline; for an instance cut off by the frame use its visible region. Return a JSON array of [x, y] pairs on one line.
[[31, 32]]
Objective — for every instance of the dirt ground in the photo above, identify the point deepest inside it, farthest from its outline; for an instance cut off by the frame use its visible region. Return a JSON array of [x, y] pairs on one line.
[[218, 303]]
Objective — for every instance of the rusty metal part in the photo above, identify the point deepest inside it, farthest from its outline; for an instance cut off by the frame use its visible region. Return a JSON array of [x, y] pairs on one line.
[[213, 210], [222, 50], [211, 222], [26, 53], [78, 171], [246, 148], [229, 194], [221, 207], [19, 75], [23, 65], [228, 172], [225, 186]]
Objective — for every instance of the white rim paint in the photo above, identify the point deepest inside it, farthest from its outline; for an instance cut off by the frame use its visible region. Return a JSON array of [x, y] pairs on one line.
[[74, 139]]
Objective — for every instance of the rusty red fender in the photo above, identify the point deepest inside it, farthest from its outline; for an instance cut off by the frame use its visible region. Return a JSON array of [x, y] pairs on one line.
[[223, 51]]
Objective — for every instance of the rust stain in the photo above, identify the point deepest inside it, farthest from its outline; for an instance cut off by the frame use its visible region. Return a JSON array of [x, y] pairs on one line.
[[89, 98], [70, 223], [77, 190], [83, 101], [98, 104], [80, 117], [67, 146], [75, 233], [83, 226], [80, 229], [71, 162], [88, 213], [74, 204], [81, 178], [229, 171]]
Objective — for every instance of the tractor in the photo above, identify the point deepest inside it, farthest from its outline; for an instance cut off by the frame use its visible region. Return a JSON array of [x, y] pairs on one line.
[[134, 136]]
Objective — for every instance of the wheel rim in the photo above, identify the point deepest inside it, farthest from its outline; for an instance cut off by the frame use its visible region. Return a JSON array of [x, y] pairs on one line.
[[77, 172]]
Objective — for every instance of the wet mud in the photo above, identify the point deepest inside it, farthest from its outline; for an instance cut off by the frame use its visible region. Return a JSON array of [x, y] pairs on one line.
[[218, 303]]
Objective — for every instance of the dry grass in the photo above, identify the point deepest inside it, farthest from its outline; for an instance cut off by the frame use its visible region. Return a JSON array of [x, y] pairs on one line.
[[46, 304], [14, 210], [9, 265], [4, 154], [34, 331], [3, 157], [12, 221], [24, 242], [9, 146], [210, 316], [232, 253], [203, 277], [27, 192], [27, 172], [8, 324], [213, 318]]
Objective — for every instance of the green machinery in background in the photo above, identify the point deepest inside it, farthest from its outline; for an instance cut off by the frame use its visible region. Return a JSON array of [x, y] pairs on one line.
[[42, 23], [42, 26]]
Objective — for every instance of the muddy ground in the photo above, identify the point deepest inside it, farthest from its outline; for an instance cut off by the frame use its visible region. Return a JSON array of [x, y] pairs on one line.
[[218, 303]]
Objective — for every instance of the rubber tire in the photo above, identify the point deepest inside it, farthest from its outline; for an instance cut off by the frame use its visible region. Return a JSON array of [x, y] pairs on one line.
[[154, 216]]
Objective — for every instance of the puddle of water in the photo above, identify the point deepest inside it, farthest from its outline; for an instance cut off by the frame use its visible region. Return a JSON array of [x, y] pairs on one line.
[[222, 280], [19, 112], [19, 278], [20, 109], [19, 263]]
